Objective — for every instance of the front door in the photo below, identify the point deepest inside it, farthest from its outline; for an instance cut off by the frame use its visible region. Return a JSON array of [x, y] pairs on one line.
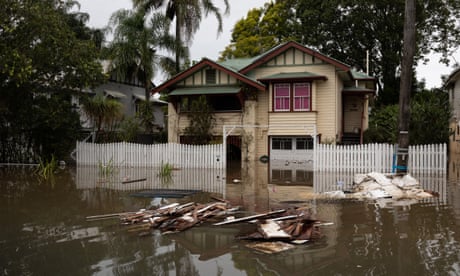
[[352, 114]]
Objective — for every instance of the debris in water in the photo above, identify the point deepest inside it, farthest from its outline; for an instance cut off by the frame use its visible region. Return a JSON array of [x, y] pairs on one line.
[[282, 229]]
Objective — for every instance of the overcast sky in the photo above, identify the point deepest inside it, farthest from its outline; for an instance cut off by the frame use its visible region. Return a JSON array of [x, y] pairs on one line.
[[206, 43]]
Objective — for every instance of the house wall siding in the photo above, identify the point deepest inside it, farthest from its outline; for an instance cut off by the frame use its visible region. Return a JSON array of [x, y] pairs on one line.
[[325, 101], [291, 123], [199, 78], [456, 99]]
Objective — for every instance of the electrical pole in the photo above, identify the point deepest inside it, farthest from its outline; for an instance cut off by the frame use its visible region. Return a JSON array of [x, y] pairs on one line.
[[407, 66]]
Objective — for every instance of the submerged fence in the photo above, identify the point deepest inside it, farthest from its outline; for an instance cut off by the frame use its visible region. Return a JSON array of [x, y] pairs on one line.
[[331, 158], [129, 154], [378, 157]]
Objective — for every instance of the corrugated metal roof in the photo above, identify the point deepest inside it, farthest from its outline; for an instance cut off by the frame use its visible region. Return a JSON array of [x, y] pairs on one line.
[[237, 63], [152, 99], [115, 94]]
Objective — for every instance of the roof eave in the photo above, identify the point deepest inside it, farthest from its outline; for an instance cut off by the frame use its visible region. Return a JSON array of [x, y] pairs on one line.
[[206, 62], [270, 54]]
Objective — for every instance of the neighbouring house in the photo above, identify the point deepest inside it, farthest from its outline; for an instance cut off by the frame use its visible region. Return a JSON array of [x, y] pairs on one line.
[[276, 105], [452, 85], [130, 93]]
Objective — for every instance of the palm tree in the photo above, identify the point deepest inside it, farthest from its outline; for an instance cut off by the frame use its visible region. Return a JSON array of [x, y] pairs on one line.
[[133, 51], [103, 112], [188, 15]]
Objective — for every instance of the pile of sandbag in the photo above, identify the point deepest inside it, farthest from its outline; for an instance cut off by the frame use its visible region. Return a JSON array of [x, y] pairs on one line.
[[378, 185]]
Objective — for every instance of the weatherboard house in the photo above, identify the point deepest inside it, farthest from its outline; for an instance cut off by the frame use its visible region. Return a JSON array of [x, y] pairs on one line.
[[452, 85], [275, 105]]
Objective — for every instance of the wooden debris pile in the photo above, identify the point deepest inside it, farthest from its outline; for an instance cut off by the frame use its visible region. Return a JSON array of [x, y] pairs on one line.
[[174, 217], [296, 228], [293, 226]]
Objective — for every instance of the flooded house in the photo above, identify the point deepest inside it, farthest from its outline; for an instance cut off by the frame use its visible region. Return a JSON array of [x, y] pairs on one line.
[[452, 85], [275, 106]]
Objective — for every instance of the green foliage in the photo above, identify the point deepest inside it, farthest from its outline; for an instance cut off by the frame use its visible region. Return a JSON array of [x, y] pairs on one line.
[[106, 169], [46, 53], [47, 169], [134, 55], [261, 30], [201, 121], [383, 125], [128, 129], [165, 170], [58, 55], [430, 114], [165, 173], [42, 126], [146, 116], [187, 16], [105, 113], [133, 51]]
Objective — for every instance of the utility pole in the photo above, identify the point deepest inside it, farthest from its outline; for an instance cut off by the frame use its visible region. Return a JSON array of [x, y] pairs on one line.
[[407, 65]]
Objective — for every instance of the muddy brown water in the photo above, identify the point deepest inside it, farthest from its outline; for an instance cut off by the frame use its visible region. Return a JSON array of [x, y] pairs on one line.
[[44, 230]]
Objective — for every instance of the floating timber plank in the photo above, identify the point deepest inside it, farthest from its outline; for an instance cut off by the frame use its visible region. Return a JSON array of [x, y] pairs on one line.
[[165, 193]]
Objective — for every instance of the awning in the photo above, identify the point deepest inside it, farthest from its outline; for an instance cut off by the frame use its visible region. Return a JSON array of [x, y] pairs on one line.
[[152, 98], [205, 90], [114, 94], [298, 76], [357, 90]]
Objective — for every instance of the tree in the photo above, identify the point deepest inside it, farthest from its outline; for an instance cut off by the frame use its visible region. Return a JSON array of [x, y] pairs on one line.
[[133, 51], [407, 68], [51, 57], [201, 121], [188, 15], [105, 113], [46, 55], [261, 30], [429, 124]]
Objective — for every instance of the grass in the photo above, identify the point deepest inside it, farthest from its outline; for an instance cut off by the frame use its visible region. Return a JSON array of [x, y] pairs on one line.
[[47, 169], [106, 169], [165, 172]]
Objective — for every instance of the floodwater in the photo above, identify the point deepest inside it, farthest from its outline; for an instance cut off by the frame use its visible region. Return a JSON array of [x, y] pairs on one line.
[[44, 229]]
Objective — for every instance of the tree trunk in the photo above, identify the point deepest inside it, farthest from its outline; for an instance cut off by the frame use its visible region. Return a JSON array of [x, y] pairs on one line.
[[405, 85], [178, 39]]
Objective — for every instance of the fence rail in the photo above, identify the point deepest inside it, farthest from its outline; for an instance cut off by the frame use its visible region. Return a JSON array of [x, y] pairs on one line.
[[378, 157], [139, 155]]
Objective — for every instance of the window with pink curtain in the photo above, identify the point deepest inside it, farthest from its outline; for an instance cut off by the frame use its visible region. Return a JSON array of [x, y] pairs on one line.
[[302, 96], [282, 97]]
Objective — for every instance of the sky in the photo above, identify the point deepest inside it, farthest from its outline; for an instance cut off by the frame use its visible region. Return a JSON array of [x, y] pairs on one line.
[[207, 43]]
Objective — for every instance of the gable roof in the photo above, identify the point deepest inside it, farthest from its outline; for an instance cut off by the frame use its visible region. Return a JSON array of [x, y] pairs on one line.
[[259, 60], [204, 63], [453, 77]]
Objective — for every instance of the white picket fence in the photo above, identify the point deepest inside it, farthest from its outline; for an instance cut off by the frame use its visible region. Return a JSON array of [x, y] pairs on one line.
[[139, 155], [378, 157]]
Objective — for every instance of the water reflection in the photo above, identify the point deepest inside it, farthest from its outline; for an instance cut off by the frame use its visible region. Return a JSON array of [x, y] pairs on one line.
[[45, 231], [138, 178]]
